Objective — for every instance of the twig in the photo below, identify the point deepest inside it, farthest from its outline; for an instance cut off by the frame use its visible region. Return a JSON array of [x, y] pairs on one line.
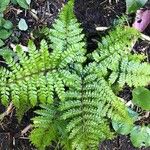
[[103, 2], [34, 14], [102, 28], [7, 112], [110, 1], [147, 114], [145, 37], [24, 138], [26, 129]]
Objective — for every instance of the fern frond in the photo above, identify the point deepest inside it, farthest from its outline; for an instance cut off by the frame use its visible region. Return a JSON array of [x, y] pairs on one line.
[[4, 89], [40, 71], [48, 128], [85, 110], [114, 46], [33, 70], [134, 73], [36, 77], [66, 34], [44, 128]]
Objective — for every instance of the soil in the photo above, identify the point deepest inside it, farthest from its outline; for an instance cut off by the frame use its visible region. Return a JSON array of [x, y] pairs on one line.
[[91, 14]]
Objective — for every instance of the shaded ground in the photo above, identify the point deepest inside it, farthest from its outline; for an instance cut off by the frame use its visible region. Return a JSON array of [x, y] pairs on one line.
[[92, 14]]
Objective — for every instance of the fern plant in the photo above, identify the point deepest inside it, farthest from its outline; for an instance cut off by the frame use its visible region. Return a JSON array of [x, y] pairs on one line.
[[76, 94], [36, 75]]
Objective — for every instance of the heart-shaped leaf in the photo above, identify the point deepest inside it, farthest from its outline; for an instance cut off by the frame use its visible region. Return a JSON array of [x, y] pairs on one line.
[[7, 52], [123, 127], [7, 24], [134, 5], [1, 43], [14, 1], [23, 4], [4, 34], [141, 97], [3, 4], [140, 136]]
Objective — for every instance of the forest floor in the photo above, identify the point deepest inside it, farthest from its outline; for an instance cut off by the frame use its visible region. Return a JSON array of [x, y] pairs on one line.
[[91, 14]]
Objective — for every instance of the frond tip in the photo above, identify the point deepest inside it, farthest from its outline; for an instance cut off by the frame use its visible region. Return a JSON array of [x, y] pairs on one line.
[[134, 73], [44, 128]]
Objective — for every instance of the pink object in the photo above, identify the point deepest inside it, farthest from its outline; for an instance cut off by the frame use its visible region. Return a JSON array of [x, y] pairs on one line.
[[142, 20]]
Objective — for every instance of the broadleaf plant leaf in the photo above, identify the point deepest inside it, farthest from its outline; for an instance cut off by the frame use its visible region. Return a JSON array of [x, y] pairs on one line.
[[4, 34], [28, 2], [124, 128], [1, 43], [7, 52], [140, 136], [8, 24], [14, 1], [3, 4], [141, 98], [134, 5], [23, 4]]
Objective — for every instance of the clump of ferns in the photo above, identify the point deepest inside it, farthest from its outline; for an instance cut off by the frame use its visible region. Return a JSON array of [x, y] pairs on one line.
[[77, 101]]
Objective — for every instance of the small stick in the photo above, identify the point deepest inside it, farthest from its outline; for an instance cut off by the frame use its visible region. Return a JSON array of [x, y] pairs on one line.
[[7, 112], [110, 1], [26, 129], [9, 109], [147, 114], [34, 14], [102, 28], [103, 2], [145, 37], [24, 138]]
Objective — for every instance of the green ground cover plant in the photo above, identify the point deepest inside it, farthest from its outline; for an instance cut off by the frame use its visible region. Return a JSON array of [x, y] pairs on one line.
[[22, 3]]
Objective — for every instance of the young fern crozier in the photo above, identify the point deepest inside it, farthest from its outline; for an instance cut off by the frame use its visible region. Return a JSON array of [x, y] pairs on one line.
[[76, 95]]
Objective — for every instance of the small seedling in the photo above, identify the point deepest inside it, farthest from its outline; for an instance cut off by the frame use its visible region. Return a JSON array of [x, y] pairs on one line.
[[141, 98]]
